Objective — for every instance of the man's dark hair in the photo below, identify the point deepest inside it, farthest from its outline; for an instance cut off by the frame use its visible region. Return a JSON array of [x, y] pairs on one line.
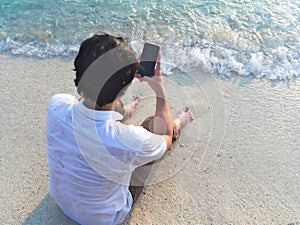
[[90, 50]]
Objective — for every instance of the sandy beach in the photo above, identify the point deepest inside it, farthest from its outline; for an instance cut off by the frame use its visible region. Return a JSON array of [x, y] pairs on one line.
[[237, 163]]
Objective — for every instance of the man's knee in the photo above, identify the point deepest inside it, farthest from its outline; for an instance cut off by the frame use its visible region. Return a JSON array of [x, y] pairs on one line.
[[146, 123]]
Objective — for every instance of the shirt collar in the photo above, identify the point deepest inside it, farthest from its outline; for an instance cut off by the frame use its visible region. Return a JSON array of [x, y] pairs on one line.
[[98, 114]]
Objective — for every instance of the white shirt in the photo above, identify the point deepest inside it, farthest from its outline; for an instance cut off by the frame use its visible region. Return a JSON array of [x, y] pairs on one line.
[[91, 156]]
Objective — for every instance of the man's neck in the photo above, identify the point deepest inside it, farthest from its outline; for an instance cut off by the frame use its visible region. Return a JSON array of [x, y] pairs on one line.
[[93, 105]]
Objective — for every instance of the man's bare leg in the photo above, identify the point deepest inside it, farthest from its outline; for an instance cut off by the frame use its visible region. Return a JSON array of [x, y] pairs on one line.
[[131, 106], [141, 174], [128, 109]]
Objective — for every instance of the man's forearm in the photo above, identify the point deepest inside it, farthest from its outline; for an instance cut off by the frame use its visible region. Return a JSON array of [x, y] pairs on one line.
[[163, 123]]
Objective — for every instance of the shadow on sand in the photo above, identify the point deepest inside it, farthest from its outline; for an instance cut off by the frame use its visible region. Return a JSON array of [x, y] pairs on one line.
[[48, 213]]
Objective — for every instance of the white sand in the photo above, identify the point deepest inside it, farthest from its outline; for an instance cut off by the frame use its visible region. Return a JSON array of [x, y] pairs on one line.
[[238, 162]]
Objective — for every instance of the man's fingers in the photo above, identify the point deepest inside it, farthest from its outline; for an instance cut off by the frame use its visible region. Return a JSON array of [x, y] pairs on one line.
[[157, 71], [145, 78], [158, 57], [139, 57], [157, 68], [138, 76]]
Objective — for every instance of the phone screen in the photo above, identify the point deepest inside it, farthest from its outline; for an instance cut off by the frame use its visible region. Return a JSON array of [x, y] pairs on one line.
[[148, 60]]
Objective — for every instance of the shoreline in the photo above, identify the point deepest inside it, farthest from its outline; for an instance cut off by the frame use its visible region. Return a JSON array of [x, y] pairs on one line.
[[236, 163], [233, 76]]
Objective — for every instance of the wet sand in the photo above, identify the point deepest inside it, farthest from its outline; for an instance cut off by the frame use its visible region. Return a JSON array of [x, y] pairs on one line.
[[238, 162]]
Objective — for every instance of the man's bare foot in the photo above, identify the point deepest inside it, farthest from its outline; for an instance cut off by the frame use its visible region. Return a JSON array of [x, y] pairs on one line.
[[183, 117], [131, 106]]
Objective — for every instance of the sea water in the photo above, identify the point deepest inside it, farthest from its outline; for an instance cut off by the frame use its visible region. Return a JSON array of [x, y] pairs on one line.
[[243, 37]]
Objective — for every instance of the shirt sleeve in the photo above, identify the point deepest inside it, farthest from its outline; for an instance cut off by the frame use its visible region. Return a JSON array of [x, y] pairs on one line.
[[153, 148], [147, 146]]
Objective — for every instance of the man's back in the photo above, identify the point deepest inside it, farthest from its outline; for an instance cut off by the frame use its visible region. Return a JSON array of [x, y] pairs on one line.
[[90, 161]]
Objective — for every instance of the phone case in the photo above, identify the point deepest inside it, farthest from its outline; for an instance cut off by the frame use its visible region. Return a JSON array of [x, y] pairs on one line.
[[148, 59]]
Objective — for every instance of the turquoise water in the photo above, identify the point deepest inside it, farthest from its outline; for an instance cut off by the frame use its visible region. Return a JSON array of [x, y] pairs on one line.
[[259, 38]]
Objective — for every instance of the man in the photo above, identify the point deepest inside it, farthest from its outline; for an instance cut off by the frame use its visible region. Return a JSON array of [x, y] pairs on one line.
[[91, 153]]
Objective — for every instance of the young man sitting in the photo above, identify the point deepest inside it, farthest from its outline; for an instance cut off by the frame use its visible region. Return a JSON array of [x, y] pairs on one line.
[[91, 153]]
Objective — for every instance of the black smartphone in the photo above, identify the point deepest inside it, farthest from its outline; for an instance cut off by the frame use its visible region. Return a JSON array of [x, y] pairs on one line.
[[148, 59]]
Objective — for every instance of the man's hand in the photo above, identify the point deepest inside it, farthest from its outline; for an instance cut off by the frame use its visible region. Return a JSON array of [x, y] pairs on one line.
[[156, 81]]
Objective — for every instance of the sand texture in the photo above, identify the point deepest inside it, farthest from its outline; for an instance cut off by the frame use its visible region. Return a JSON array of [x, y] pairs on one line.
[[237, 163]]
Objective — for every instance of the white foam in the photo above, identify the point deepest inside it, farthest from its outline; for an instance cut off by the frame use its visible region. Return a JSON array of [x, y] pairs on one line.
[[41, 50], [280, 62]]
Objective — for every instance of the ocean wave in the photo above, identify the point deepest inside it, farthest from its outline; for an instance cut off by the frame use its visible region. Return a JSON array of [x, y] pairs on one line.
[[37, 49], [280, 62]]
